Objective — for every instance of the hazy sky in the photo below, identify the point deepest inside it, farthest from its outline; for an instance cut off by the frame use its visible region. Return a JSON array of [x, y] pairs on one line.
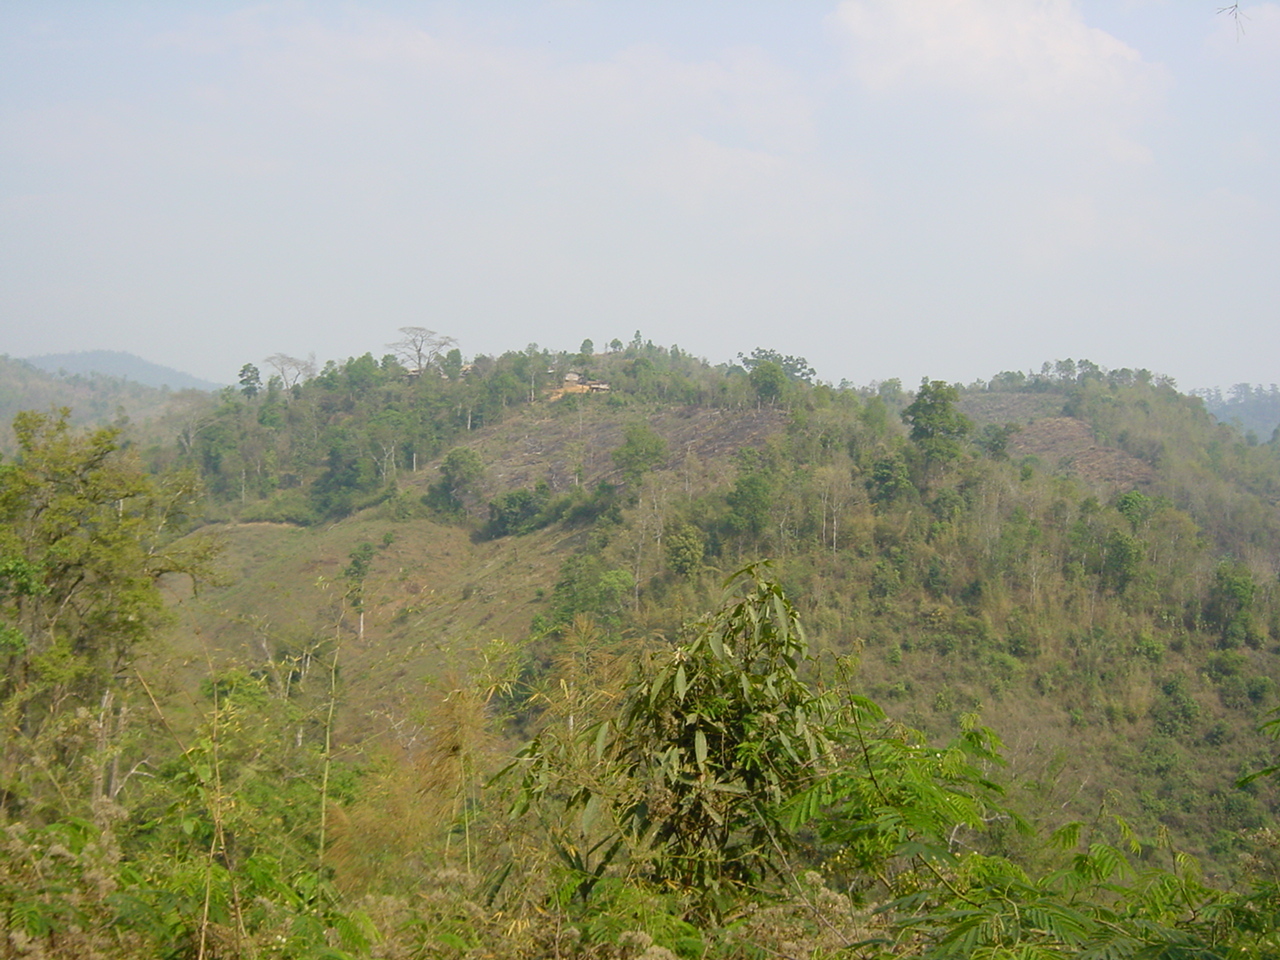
[[892, 188]]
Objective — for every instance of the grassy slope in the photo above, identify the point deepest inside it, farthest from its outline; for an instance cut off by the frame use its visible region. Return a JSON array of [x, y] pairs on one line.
[[434, 592]]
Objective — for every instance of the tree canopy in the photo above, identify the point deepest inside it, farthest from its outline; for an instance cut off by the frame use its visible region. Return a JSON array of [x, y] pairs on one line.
[[938, 428]]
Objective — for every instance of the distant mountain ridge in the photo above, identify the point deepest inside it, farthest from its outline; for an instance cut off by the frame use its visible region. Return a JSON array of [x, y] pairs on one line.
[[94, 399], [1253, 409], [116, 363]]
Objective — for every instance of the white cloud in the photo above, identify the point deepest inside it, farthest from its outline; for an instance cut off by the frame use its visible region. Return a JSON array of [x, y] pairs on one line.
[[699, 169], [1025, 63], [341, 71], [755, 194], [697, 131]]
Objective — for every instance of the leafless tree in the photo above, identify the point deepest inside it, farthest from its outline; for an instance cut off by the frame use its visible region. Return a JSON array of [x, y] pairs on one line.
[[291, 369], [1239, 16], [420, 347]]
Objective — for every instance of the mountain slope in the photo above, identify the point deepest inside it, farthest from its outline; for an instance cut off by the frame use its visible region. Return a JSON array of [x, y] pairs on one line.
[[126, 366]]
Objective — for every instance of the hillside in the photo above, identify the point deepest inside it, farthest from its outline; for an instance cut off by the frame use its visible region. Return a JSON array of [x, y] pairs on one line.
[[433, 577], [1061, 575], [420, 569]]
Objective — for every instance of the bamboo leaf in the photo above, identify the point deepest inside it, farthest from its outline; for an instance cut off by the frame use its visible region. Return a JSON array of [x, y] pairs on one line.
[[590, 812]]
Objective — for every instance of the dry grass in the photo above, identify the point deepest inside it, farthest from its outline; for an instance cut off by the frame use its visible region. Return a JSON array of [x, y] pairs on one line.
[[1068, 445]]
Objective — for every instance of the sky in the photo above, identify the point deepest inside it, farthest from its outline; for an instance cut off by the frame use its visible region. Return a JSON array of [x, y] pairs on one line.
[[890, 188]]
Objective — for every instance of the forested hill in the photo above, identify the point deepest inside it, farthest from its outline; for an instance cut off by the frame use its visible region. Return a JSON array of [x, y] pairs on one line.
[[122, 366], [1083, 556], [312, 445], [423, 562], [1254, 409], [94, 398]]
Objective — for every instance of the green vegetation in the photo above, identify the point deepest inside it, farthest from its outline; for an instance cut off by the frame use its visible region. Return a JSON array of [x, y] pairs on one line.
[[464, 578]]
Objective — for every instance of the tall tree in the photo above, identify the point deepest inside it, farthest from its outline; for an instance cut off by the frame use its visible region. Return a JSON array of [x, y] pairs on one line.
[[419, 348], [641, 451], [769, 381], [84, 535], [292, 370], [250, 380], [795, 368], [938, 428]]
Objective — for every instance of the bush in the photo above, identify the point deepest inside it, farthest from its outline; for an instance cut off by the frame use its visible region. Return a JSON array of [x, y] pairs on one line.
[[1175, 710], [518, 512], [1228, 663], [288, 506]]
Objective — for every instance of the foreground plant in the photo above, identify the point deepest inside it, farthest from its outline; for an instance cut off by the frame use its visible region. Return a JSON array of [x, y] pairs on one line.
[[795, 822]]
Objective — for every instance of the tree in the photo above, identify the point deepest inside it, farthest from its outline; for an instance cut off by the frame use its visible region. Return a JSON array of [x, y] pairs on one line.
[[889, 391], [684, 546], [994, 440], [712, 739], [419, 348], [84, 536], [769, 380], [514, 513], [451, 365], [292, 371], [1121, 560], [1230, 602], [641, 451], [355, 573], [586, 585], [751, 498], [350, 478], [937, 427], [794, 368], [889, 480], [460, 474], [250, 380], [719, 737]]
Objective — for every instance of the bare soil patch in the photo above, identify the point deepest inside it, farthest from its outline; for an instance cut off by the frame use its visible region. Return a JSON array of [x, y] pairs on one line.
[[1068, 445], [565, 447]]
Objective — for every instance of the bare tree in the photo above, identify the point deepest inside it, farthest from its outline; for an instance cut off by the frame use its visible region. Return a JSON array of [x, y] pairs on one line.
[[420, 347], [1239, 16], [291, 369]]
